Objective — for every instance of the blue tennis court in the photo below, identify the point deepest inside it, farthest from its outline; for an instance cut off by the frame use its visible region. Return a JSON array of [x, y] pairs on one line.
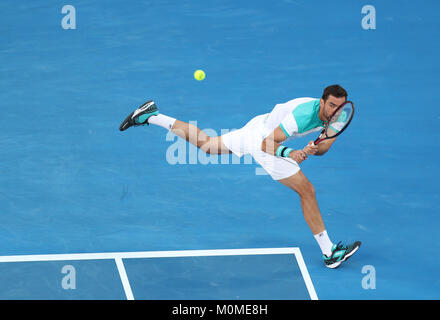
[[88, 212], [251, 274]]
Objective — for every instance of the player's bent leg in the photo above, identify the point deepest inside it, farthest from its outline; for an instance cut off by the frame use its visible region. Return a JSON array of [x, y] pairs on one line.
[[333, 254], [306, 191]]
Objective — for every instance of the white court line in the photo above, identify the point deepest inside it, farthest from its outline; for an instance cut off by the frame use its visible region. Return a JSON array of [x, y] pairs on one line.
[[146, 254], [306, 275], [124, 279], [167, 254]]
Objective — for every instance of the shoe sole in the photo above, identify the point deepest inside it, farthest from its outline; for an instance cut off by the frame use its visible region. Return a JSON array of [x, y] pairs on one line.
[[337, 264]]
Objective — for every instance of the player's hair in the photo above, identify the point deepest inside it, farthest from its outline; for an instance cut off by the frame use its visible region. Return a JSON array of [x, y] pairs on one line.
[[335, 90]]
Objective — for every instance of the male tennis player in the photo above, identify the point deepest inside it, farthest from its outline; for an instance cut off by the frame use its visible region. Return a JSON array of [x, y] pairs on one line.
[[262, 137]]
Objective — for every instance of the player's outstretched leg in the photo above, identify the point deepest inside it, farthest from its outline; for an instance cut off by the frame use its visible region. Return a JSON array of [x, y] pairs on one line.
[[148, 113], [333, 255], [198, 138]]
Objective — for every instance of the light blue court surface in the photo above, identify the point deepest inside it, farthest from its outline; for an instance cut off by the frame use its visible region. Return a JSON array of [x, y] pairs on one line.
[[71, 183]]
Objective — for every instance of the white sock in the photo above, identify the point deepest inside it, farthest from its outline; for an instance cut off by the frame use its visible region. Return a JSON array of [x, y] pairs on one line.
[[162, 120], [324, 243]]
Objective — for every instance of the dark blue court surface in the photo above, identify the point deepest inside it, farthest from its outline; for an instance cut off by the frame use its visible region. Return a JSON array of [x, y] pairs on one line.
[[70, 182], [246, 277], [61, 280]]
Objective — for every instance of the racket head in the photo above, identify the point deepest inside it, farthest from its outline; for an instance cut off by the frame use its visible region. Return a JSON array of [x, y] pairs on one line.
[[339, 121]]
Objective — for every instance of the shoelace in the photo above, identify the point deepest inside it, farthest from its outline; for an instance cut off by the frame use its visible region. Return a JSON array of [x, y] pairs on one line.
[[340, 246]]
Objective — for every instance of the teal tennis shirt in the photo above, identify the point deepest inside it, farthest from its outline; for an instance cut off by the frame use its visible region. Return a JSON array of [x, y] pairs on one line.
[[296, 117]]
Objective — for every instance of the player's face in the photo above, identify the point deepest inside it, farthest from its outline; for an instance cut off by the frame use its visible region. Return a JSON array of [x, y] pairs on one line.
[[329, 106]]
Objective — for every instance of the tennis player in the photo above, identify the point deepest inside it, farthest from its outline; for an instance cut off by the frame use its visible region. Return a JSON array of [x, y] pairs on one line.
[[262, 137]]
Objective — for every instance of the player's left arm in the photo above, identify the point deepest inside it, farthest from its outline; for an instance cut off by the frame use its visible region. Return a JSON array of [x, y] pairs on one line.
[[272, 144], [320, 149]]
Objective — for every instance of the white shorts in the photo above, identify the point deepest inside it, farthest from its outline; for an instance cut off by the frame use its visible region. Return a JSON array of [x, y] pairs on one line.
[[248, 139]]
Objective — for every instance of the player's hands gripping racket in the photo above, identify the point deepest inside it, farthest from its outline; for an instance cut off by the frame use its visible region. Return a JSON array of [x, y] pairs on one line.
[[337, 123]]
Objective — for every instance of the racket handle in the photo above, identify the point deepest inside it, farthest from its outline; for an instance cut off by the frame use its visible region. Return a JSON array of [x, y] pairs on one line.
[[317, 141]]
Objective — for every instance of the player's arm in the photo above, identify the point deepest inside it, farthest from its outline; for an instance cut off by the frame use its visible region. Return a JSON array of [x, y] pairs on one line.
[[272, 144], [324, 146], [320, 149]]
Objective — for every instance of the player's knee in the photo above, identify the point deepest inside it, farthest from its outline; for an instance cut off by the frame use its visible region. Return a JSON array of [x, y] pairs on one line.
[[307, 190], [207, 147]]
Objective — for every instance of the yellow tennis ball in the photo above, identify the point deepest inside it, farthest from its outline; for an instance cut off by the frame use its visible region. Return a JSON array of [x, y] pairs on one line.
[[199, 75]]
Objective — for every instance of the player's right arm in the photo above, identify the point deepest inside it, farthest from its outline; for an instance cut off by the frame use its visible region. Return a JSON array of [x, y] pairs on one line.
[[272, 143]]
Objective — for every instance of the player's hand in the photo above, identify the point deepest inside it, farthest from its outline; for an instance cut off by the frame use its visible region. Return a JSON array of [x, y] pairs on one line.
[[298, 155], [311, 148]]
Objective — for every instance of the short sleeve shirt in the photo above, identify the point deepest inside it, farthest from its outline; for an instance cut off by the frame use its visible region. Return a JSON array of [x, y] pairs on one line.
[[297, 117]]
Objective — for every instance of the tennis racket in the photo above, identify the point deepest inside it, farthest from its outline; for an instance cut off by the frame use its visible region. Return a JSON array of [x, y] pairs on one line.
[[338, 122]]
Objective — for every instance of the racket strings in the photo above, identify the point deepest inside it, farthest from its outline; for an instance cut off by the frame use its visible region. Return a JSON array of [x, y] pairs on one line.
[[340, 120]]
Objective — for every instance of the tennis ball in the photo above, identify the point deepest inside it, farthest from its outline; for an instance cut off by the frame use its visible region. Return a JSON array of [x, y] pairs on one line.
[[199, 75]]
